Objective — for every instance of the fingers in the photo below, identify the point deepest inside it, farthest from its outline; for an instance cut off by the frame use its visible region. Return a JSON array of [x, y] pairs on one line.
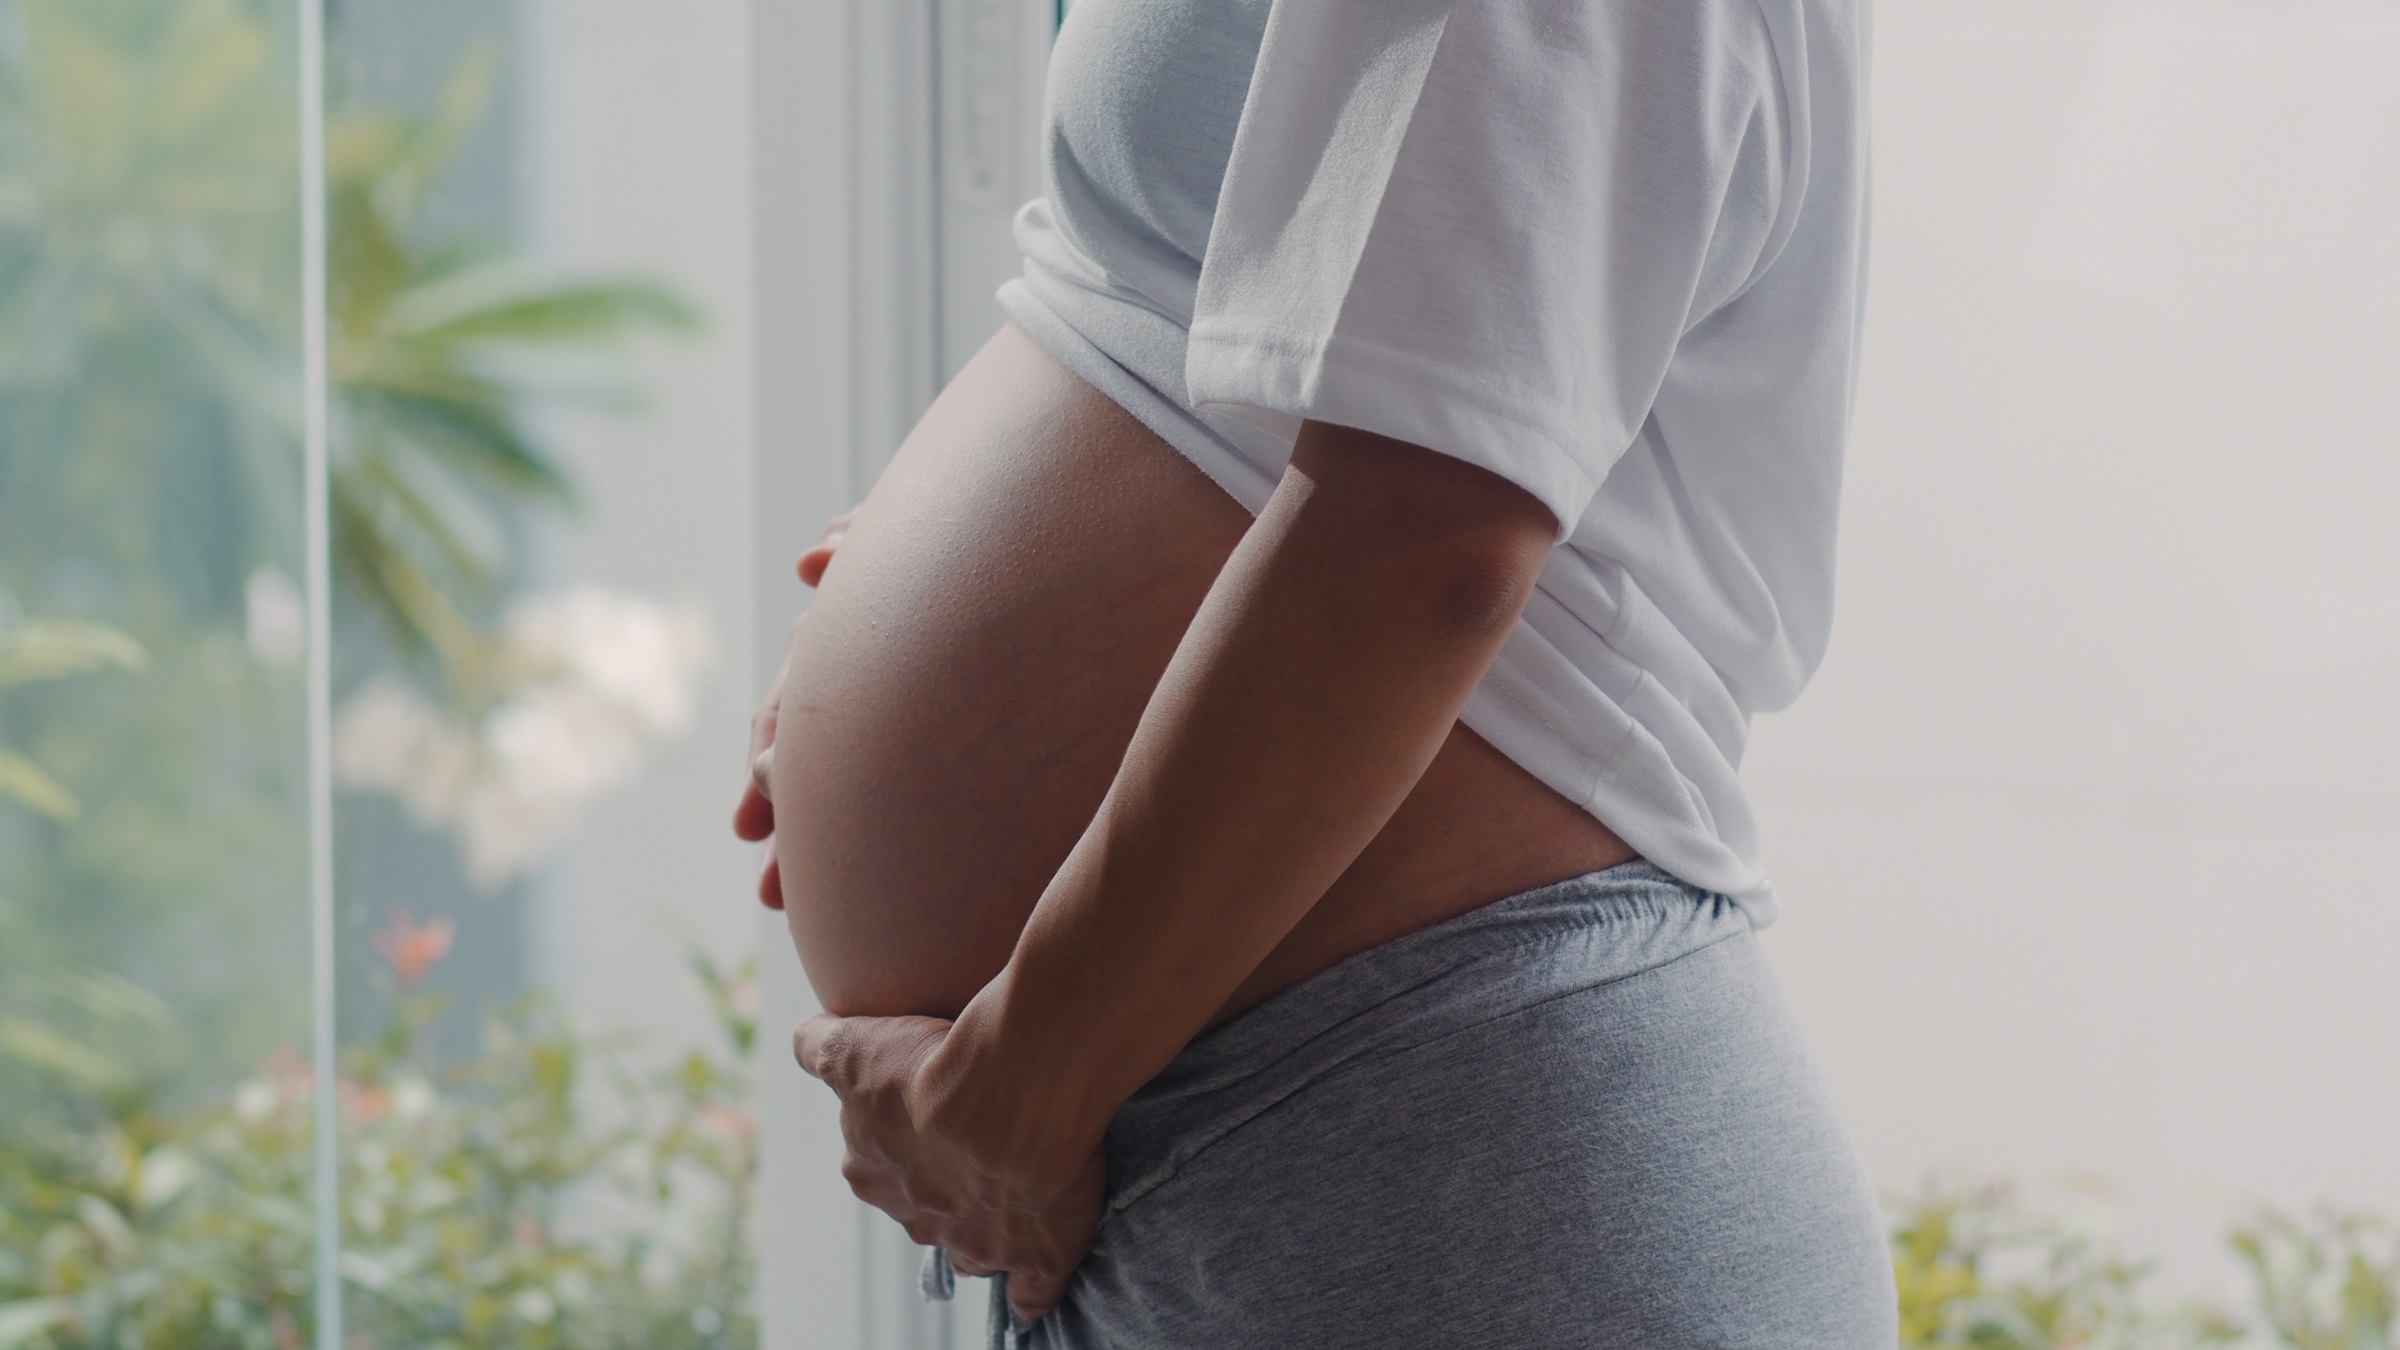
[[753, 815], [810, 1043], [1032, 1294], [1037, 1286], [762, 741], [845, 1053], [770, 880], [988, 1214], [813, 563]]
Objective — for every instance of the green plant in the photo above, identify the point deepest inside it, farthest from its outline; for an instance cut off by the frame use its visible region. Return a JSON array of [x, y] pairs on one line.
[[52, 650], [147, 301], [536, 1194], [2327, 1280], [149, 317], [151, 825], [1976, 1265], [429, 349]]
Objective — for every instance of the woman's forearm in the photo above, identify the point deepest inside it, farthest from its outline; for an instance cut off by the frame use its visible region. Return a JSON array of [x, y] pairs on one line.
[[1316, 683]]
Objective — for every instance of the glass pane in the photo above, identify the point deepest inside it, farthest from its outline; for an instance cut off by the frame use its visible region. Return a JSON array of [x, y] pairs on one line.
[[154, 917], [541, 529]]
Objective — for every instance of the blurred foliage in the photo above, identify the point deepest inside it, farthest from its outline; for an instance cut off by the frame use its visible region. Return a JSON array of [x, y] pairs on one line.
[[432, 355], [1975, 1268], [2328, 1280], [148, 237], [152, 939], [536, 1194], [149, 319], [150, 407], [50, 651], [1978, 1266]]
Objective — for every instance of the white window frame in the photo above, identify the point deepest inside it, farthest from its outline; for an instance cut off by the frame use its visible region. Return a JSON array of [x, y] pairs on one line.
[[891, 142]]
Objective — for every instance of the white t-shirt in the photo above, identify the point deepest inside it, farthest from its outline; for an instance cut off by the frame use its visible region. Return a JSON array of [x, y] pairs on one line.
[[1611, 250]]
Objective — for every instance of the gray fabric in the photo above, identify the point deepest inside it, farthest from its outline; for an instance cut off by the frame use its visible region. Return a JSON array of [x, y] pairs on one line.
[[1580, 1116]]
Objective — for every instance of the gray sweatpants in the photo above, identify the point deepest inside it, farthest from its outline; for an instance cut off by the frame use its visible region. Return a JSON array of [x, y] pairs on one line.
[[1580, 1116]]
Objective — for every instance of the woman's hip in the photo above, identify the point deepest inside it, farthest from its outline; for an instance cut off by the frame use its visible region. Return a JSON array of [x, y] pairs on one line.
[[1581, 1116]]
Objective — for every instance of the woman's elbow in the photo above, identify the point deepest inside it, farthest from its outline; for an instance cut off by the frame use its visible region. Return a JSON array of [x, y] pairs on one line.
[[1482, 585]]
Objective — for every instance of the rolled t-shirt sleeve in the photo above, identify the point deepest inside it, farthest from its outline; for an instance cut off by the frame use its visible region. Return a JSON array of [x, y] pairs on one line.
[[1484, 226]]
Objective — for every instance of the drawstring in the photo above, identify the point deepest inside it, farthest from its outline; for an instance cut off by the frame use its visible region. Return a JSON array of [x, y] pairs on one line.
[[937, 1280], [1005, 1330]]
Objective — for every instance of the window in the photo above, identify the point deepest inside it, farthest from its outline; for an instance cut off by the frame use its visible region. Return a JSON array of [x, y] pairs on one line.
[[2082, 830]]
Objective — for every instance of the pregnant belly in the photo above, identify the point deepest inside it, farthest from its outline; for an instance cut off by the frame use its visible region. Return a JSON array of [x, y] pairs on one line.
[[968, 677]]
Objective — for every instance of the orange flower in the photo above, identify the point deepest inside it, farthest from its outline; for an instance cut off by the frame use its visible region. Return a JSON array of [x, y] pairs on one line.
[[411, 949], [364, 1104]]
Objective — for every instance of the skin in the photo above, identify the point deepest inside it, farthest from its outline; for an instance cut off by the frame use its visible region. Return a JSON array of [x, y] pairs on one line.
[[1074, 761]]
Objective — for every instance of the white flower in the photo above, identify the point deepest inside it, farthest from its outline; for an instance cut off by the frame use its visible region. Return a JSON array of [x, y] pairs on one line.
[[640, 657], [597, 675], [562, 741], [166, 1172], [533, 1305], [412, 1099], [254, 1101], [442, 773], [503, 832], [377, 736], [276, 619], [389, 738]]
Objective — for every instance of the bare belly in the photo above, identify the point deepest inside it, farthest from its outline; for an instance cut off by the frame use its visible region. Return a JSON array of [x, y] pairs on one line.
[[970, 673]]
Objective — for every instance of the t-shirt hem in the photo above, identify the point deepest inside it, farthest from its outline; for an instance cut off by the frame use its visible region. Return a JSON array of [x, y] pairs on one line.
[[1583, 773]]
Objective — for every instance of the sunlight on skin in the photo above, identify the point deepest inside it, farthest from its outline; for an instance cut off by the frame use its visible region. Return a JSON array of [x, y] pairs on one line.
[[957, 702]]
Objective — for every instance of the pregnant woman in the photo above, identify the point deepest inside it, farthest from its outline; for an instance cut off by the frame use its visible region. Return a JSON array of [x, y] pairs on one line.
[[1256, 789]]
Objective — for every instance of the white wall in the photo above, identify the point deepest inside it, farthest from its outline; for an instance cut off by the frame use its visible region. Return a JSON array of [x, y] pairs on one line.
[[686, 141], [2086, 829], [637, 119]]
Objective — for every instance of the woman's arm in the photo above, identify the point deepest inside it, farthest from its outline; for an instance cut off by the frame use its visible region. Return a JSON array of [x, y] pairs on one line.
[[1318, 680]]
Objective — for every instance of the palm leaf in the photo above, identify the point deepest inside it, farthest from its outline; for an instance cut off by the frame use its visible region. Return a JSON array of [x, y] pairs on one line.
[[499, 305], [479, 441], [25, 783], [49, 649], [415, 610], [393, 368], [210, 55], [425, 153], [377, 479]]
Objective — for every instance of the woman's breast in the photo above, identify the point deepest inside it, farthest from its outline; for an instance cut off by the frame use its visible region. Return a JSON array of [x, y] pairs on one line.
[[970, 673], [1144, 101]]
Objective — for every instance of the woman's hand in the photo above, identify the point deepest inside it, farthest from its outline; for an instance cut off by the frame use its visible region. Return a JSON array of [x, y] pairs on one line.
[[754, 814], [932, 1140]]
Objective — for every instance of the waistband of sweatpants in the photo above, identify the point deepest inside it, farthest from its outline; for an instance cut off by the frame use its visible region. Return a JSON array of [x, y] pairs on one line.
[[1490, 962]]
